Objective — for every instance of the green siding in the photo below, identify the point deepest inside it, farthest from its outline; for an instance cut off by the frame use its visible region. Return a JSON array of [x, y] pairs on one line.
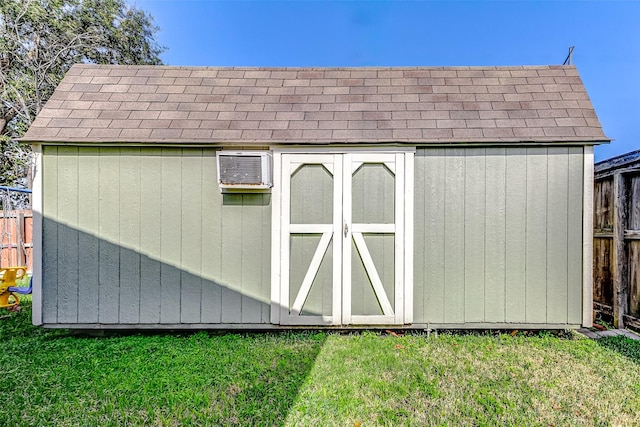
[[108, 235], [171, 225], [144, 236], [88, 247], [67, 237], [474, 234], [191, 236], [515, 234], [495, 236], [150, 208], [129, 199], [453, 253], [557, 218], [211, 251], [50, 237], [498, 236], [536, 236], [251, 239], [231, 252], [430, 234]]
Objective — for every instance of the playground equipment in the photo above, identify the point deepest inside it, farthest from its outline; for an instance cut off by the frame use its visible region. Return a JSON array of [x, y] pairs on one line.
[[8, 289], [12, 247]]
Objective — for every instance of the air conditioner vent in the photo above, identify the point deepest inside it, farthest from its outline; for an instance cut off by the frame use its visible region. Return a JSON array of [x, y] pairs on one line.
[[244, 170]]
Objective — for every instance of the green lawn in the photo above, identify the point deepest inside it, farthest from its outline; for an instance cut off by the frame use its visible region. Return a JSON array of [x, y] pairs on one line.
[[309, 378]]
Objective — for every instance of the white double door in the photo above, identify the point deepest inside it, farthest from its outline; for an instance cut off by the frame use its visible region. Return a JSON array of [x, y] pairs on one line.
[[342, 238]]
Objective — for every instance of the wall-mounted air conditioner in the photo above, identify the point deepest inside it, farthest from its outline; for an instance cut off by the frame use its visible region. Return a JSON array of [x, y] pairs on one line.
[[244, 170]]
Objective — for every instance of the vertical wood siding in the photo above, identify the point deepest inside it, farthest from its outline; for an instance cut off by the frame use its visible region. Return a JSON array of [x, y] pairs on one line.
[[50, 242], [144, 236], [498, 235]]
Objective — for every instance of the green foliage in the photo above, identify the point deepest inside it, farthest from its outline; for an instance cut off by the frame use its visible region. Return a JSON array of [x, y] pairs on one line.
[[13, 161], [41, 39]]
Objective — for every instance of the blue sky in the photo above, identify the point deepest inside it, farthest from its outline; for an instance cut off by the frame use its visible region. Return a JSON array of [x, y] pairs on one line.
[[606, 36]]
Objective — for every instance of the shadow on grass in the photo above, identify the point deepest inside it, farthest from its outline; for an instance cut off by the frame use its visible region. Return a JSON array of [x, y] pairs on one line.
[[622, 345], [163, 378]]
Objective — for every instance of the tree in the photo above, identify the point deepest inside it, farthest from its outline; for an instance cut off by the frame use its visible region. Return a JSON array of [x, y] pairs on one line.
[[40, 40]]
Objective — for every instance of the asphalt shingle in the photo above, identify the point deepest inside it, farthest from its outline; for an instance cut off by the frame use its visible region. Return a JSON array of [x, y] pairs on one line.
[[260, 106]]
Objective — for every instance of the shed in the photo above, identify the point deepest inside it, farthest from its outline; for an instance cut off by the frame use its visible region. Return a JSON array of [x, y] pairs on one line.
[[421, 197]]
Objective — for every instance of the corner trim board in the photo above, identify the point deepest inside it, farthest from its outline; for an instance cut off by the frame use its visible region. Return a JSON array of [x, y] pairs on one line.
[[36, 206], [587, 239]]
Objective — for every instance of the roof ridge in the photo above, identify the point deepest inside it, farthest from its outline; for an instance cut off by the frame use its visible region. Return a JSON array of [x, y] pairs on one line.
[[376, 67]]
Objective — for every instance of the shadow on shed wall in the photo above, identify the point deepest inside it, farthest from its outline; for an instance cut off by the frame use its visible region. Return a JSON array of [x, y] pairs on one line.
[[89, 280]]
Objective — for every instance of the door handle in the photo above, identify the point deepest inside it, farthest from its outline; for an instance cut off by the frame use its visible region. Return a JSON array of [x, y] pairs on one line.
[[346, 230]]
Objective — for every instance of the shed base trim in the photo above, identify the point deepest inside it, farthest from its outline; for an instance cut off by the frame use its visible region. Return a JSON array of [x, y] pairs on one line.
[[272, 327]]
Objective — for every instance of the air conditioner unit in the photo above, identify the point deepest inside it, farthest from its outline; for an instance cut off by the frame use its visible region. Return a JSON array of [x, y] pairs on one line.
[[244, 170]]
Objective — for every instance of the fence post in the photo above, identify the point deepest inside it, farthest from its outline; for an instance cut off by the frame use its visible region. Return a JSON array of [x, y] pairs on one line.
[[619, 262]]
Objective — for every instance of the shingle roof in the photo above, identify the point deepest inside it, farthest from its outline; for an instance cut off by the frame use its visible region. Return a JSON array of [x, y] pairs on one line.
[[244, 106]]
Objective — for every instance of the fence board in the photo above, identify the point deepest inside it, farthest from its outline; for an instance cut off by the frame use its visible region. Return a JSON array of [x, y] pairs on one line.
[[602, 280], [633, 258], [634, 278], [603, 209], [634, 203], [16, 241], [616, 246]]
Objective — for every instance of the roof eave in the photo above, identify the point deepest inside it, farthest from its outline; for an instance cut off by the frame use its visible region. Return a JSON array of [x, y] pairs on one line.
[[364, 141]]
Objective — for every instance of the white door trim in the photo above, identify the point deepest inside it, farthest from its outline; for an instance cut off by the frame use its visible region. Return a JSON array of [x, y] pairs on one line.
[[340, 161]]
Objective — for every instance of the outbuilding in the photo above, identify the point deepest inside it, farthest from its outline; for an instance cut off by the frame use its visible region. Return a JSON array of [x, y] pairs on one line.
[[258, 198]]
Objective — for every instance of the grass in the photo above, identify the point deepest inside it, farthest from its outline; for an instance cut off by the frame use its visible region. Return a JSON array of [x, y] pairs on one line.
[[50, 377]]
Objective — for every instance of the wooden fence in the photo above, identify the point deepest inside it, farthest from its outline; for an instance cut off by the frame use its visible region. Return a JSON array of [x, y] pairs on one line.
[[616, 246], [16, 238]]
